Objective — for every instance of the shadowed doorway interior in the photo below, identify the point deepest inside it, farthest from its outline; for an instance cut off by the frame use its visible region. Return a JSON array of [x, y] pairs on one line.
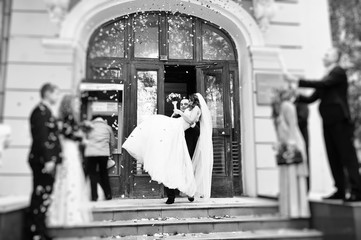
[[178, 79]]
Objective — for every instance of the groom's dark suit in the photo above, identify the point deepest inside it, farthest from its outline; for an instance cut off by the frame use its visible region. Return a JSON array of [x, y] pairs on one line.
[[45, 147], [337, 127], [191, 136]]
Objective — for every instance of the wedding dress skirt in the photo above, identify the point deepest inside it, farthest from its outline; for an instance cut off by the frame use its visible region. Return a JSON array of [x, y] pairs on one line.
[[158, 142], [70, 200]]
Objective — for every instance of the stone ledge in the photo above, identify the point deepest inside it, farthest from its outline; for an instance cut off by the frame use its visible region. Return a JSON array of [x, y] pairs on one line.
[[13, 203], [12, 217], [336, 219]]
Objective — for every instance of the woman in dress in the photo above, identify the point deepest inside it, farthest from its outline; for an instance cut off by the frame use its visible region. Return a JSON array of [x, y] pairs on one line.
[[159, 144], [293, 177], [70, 200]]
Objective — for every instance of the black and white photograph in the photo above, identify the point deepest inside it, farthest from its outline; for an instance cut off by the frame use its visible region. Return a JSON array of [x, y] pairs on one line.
[[180, 119]]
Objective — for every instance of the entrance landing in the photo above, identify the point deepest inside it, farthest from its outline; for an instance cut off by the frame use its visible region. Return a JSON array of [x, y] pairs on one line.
[[182, 202]]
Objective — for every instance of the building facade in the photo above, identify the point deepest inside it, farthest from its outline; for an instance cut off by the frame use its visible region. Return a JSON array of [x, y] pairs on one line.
[[124, 57]]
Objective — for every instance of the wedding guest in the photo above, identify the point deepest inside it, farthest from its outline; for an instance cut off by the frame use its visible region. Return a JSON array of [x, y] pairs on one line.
[[292, 177], [331, 90], [71, 196], [99, 147], [45, 154]]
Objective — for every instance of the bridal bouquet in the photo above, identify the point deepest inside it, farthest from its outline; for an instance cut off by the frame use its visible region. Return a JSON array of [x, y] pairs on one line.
[[174, 98]]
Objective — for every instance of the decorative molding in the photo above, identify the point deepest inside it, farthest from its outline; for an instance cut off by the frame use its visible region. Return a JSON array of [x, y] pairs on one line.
[[264, 12], [58, 9]]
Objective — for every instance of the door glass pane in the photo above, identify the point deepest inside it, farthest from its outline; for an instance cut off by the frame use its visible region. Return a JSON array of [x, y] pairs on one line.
[[147, 94], [146, 36], [180, 37], [215, 45], [214, 97], [108, 41], [231, 79]]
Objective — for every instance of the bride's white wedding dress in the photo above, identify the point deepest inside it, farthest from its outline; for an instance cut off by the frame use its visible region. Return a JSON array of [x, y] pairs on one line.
[[70, 200], [158, 142]]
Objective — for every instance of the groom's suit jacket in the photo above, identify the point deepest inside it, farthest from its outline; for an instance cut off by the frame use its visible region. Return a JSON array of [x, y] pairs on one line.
[[191, 135], [45, 134], [332, 91]]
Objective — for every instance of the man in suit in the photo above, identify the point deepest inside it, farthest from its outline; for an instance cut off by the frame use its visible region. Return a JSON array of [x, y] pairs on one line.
[[44, 155], [191, 136], [337, 124]]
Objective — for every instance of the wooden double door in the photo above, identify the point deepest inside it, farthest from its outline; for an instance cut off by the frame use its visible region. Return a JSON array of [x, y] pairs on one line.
[[146, 95]]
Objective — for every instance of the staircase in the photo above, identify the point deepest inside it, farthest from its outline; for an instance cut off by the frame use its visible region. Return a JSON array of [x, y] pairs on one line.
[[229, 218]]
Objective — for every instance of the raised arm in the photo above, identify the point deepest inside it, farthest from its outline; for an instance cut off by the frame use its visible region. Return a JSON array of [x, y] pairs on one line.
[[335, 78], [192, 117], [309, 99]]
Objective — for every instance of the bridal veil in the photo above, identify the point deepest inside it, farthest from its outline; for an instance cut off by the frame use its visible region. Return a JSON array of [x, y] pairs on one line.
[[203, 154]]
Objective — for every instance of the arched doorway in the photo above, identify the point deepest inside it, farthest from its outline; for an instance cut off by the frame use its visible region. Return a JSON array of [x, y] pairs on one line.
[[153, 54]]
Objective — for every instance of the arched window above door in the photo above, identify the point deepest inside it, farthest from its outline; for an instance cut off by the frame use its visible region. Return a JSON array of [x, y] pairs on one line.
[[108, 41], [216, 46], [158, 35]]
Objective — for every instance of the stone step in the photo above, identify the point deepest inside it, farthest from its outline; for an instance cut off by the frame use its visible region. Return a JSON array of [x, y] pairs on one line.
[[278, 234], [180, 225], [128, 209], [182, 210]]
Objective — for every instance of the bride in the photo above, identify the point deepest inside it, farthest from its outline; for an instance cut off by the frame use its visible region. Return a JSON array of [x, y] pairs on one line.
[[158, 142], [70, 200]]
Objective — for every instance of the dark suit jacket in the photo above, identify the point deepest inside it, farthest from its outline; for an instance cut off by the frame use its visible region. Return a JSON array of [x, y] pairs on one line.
[[191, 135], [332, 91], [45, 134], [302, 114]]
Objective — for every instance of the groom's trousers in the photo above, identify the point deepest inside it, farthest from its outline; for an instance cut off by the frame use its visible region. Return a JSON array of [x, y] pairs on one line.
[[191, 136], [40, 200]]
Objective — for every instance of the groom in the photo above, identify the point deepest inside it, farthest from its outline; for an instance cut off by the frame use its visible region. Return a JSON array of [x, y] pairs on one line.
[[191, 136], [44, 155]]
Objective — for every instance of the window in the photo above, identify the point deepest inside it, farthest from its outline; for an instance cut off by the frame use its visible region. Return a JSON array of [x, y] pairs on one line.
[[181, 35], [108, 41], [147, 94], [146, 39], [215, 45]]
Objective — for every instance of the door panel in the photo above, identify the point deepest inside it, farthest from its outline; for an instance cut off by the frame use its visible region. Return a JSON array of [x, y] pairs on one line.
[[215, 83], [147, 94], [236, 133]]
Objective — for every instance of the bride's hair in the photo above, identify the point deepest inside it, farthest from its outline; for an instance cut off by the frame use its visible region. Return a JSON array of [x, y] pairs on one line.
[[66, 109], [195, 101]]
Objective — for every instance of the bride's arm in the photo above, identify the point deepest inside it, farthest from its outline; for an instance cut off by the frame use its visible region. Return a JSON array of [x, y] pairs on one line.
[[193, 117]]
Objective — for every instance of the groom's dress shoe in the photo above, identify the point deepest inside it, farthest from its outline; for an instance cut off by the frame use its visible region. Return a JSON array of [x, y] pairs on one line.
[[191, 199], [170, 201], [335, 196]]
